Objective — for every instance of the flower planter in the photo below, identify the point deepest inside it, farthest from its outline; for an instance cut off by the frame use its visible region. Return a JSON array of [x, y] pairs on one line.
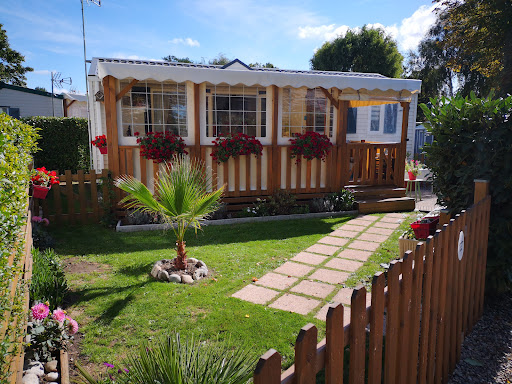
[[412, 176], [103, 150], [425, 227], [39, 192]]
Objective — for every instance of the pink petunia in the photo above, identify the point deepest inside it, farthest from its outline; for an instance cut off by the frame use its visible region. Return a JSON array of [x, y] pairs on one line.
[[36, 219], [73, 325], [40, 311], [45, 221], [59, 315]]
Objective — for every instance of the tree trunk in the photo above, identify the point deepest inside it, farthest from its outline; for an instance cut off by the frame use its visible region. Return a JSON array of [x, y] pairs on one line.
[[181, 258]]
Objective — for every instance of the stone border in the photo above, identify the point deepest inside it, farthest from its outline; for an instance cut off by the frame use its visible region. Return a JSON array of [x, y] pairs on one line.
[[156, 227]]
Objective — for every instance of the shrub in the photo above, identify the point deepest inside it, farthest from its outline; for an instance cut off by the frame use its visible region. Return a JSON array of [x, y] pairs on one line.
[[41, 239], [334, 202], [48, 279], [64, 143], [310, 145], [280, 203], [234, 146], [17, 142], [472, 141], [160, 147]]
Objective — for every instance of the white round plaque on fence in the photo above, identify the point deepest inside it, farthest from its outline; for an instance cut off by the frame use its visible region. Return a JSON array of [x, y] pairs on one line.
[[461, 245]]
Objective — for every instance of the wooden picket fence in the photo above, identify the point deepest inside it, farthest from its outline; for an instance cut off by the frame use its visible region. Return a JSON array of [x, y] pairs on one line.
[[420, 311]]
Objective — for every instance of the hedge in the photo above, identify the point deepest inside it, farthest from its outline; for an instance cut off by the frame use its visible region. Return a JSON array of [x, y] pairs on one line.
[[64, 143], [17, 142], [473, 140]]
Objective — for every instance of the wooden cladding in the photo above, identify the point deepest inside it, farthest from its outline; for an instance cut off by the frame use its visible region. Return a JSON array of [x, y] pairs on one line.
[[373, 164], [422, 309]]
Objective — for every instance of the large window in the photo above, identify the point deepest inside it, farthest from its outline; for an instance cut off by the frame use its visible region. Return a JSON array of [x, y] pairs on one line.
[[352, 120], [375, 118], [390, 118], [306, 110], [236, 109], [154, 107]]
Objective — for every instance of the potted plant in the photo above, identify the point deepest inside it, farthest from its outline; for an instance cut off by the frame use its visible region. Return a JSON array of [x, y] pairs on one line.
[[310, 145], [101, 143], [42, 181], [412, 167], [160, 146], [235, 145]]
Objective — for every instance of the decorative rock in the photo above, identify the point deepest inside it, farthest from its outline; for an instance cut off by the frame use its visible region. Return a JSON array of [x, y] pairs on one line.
[[30, 378], [192, 260], [187, 279], [201, 264], [156, 268], [36, 370], [52, 376], [51, 366], [174, 278], [163, 275]]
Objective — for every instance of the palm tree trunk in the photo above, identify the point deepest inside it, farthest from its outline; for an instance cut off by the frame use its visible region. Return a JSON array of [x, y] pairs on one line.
[[181, 259]]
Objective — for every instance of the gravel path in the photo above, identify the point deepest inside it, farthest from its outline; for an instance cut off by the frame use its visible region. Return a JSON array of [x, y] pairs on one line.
[[487, 352]]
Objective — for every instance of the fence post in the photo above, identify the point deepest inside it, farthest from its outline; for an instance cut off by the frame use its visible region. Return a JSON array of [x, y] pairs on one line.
[[268, 369], [481, 189], [305, 355], [334, 350]]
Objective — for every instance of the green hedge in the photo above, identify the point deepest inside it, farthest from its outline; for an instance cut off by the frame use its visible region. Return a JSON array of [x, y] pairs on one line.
[[473, 140], [64, 143], [17, 142]]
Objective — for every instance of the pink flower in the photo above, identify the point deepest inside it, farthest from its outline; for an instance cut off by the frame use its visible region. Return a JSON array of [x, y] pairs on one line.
[[40, 311], [73, 325], [36, 219], [59, 315], [45, 221]]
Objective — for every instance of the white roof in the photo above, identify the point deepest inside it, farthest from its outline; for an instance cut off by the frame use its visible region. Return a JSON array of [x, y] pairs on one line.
[[74, 96]]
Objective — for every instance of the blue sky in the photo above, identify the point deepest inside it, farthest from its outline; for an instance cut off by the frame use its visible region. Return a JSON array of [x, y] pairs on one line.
[[285, 33]]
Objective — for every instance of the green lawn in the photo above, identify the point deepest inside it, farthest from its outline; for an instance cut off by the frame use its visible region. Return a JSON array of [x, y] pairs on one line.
[[121, 305]]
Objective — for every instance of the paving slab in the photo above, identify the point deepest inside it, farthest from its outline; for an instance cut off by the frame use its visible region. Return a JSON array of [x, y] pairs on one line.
[[360, 222], [364, 245], [372, 237], [344, 264], [255, 294], [391, 220], [322, 314], [381, 224], [274, 280], [330, 276], [353, 228], [323, 249], [396, 215], [293, 269], [355, 254], [369, 218], [313, 288], [338, 241], [380, 231], [344, 233], [343, 296], [309, 258], [294, 303]]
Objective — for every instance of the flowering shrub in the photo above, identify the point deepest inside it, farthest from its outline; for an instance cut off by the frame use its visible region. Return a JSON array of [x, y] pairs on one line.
[[235, 145], [48, 332], [160, 147], [310, 145], [43, 177], [413, 166], [100, 141]]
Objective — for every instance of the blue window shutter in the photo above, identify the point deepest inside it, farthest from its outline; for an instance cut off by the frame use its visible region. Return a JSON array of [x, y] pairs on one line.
[[352, 120], [390, 115], [14, 112]]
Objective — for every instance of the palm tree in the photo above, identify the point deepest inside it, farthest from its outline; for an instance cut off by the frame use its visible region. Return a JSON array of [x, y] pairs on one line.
[[181, 197]]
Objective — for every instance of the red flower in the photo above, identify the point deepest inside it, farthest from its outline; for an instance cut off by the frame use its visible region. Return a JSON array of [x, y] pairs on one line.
[[100, 141], [310, 145], [160, 147]]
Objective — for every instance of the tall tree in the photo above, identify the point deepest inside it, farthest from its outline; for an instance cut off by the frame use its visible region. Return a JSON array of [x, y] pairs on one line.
[[369, 50], [221, 59], [12, 70], [174, 59]]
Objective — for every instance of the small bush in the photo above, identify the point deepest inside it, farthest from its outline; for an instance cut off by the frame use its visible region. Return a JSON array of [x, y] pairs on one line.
[[48, 280], [334, 202], [280, 203]]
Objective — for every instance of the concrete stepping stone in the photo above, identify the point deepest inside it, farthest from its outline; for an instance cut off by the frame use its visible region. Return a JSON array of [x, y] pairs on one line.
[[293, 269], [360, 222], [380, 231], [381, 224], [344, 264], [323, 249], [313, 288], [355, 254], [364, 245], [333, 241], [255, 294], [274, 280], [330, 276], [369, 218], [344, 233], [353, 228], [372, 237], [343, 296], [395, 215], [322, 314], [309, 258], [391, 220], [297, 304]]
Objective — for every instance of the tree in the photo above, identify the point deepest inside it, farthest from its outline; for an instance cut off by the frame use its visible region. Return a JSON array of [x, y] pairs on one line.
[[221, 59], [368, 50], [480, 31], [260, 65], [42, 89], [12, 70], [180, 196], [174, 59]]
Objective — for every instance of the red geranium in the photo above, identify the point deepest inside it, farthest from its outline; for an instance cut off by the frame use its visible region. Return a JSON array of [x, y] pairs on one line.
[[235, 145], [43, 177], [310, 145], [160, 147], [100, 141]]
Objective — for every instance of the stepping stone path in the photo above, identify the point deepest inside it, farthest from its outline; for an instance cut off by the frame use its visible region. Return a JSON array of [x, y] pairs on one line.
[[314, 278]]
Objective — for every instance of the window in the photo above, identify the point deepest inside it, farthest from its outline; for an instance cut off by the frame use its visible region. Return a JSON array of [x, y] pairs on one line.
[[155, 107], [375, 118], [13, 112], [306, 110], [352, 120], [237, 109], [390, 118]]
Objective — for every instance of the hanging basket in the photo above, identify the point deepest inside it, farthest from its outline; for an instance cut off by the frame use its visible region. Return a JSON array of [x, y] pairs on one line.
[[103, 150], [40, 192]]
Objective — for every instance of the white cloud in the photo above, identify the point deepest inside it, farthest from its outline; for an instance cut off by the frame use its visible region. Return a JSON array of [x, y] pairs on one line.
[[186, 41]]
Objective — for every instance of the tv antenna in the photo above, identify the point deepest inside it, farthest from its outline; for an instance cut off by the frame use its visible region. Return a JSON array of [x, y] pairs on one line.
[[57, 81]]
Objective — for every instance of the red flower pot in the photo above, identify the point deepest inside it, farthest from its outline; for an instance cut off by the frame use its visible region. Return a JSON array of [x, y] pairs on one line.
[[40, 192], [412, 176], [103, 150]]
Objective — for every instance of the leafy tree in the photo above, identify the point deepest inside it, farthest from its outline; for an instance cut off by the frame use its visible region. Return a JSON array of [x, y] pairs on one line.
[[260, 65], [221, 59], [175, 59], [180, 196], [42, 89], [12, 70], [368, 50]]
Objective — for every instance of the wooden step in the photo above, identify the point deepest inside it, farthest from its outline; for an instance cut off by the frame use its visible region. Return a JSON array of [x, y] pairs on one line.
[[382, 191], [392, 204]]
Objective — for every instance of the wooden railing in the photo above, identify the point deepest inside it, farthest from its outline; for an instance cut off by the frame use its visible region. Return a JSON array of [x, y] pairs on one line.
[[428, 301], [374, 164]]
